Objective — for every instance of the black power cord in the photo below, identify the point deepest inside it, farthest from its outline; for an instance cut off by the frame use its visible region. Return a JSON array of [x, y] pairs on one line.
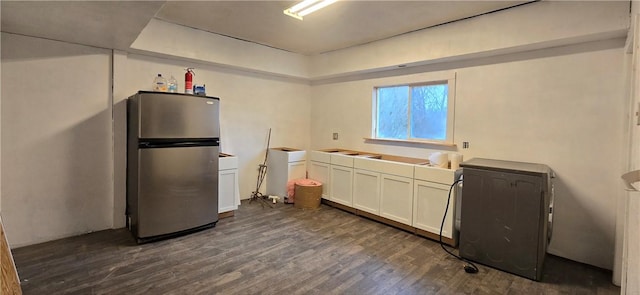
[[469, 267]]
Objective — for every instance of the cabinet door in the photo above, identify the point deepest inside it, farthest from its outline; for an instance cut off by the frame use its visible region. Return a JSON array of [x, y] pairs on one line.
[[473, 219], [297, 170], [366, 191], [429, 202], [513, 202], [320, 171], [526, 236], [228, 190], [341, 185], [396, 198]]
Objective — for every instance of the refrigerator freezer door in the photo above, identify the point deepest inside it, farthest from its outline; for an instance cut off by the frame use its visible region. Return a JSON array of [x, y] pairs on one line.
[[177, 189], [164, 115]]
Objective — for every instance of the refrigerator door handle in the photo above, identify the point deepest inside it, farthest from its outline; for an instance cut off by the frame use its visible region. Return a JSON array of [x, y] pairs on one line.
[[152, 144]]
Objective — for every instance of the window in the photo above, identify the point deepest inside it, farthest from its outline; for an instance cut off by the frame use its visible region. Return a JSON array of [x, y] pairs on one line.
[[416, 112]]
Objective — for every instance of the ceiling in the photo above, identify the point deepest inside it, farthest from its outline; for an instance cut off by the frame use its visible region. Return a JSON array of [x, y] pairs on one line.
[[116, 24]]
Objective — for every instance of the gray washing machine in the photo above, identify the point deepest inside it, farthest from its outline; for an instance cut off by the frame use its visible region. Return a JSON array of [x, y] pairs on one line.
[[505, 215]]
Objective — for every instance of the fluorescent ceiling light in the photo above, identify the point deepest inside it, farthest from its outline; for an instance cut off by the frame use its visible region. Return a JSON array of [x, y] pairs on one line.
[[306, 7]]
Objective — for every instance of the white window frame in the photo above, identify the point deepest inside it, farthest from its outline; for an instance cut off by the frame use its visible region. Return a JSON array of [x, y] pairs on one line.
[[451, 95]]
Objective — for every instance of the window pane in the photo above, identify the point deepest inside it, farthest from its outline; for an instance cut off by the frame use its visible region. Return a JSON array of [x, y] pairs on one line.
[[393, 103], [429, 112]]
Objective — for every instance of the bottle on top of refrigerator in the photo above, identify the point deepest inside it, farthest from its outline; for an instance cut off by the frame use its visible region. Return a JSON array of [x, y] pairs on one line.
[[172, 85], [188, 81], [160, 83]]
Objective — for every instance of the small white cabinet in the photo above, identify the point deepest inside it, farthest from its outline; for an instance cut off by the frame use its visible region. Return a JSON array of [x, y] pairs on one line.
[[319, 169], [228, 191], [431, 190], [284, 164]]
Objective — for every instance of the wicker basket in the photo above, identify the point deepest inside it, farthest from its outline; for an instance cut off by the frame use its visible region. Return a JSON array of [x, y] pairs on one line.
[[307, 197]]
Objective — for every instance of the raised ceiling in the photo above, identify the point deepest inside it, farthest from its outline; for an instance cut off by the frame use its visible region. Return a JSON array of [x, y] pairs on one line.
[[340, 25], [116, 24]]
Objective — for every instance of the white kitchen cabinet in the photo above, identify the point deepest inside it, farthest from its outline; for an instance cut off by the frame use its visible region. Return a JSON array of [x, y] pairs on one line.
[[284, 164], [320, 170], [396, 198], [342, 185], [228, 189], [366, 191], [430, 199], [431, 190], [401, 190], [341, 177], [384, 188], [296, 170]]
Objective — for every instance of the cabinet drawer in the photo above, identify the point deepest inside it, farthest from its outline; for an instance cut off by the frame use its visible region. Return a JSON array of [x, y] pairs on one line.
[[225, 163], [318, 156], [342, 160], [434, 174], [388, 167]]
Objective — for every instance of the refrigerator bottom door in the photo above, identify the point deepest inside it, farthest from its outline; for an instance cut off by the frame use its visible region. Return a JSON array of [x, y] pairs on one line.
[[177, 189]]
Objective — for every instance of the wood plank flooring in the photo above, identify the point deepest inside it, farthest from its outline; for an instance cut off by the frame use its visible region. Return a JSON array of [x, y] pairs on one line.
[[281, 250]]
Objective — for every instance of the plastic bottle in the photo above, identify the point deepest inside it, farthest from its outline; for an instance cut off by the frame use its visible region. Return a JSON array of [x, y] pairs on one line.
[[172, 85], [160, 84]]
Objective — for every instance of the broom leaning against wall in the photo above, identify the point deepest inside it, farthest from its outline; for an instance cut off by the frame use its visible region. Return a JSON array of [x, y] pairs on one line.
[[262, 172]]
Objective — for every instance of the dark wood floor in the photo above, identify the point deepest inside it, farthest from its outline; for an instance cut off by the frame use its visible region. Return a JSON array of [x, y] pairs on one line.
[[283, 250]]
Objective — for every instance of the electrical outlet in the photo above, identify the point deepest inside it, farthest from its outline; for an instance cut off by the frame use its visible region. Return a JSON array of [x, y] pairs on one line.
[[465, 145], [335, 136]]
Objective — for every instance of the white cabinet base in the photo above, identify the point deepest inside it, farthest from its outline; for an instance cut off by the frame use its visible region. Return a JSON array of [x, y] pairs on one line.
[[396, 198], [320, 172], [385, 188], [429, 205], [390, 222], [284, 164], [342, 185], [366, 191], [228, 188]]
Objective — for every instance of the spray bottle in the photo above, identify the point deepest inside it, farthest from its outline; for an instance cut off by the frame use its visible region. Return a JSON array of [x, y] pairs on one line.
[[188, 81]]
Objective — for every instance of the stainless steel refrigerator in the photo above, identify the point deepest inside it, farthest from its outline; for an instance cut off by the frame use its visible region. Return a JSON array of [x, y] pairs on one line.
[[172, 164]]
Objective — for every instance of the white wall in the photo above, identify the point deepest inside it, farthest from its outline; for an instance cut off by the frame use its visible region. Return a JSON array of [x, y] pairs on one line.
[[562, 107], [64, 158], [628, 265], [56, 139], [566, 112], [250, 104]]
